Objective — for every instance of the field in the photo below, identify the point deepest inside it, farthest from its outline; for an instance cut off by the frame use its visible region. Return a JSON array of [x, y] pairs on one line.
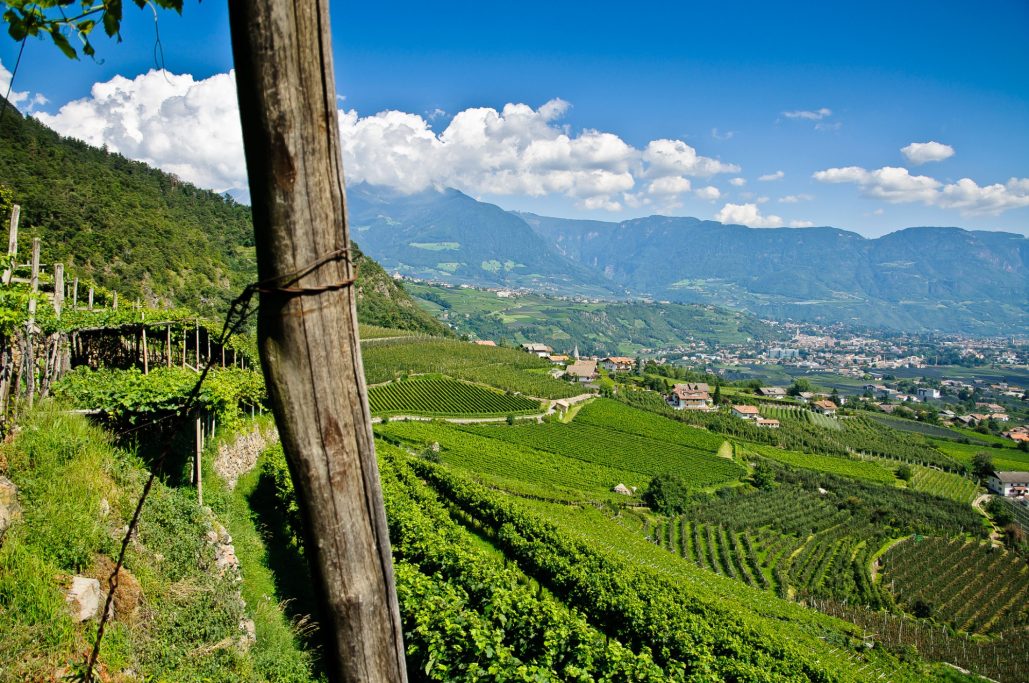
[[441, 397], [923, 428], [503, 368], [1003, 458], [932, 576], [787, 412], [368, 332], [620, 417], [594, 444], [858, 469], [520, 470], [945, 484]]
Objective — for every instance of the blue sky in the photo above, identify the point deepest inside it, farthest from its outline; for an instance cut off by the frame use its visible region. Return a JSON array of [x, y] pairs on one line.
[[828, 94]]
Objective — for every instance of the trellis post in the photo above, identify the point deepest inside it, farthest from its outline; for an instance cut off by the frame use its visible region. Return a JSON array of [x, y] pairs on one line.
[[12, 244], [308, 339], [58, 289], [30, 326]]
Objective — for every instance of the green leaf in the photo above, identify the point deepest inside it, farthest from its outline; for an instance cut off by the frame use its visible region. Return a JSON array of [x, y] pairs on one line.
[[112, 17], [62, 43]]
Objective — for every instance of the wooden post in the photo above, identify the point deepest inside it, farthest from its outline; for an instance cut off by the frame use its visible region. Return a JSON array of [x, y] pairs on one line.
[[58, 289], [183, 346], [91, 297], [309, 343], [12, 244], [114, 301], [30, 327], [168, 345], [75, 293], [198, 345], [146, 354], [197, 478]]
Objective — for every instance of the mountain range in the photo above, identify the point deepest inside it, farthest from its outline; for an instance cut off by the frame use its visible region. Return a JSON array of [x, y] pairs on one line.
[[916, 279]]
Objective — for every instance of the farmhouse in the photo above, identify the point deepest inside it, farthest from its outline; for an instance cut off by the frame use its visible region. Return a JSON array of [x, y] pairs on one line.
[[691, 396], [772, 392], [1010, 484], [582, 370], [825, 407], [746, 412], [618, 364], [558, 358], [767, 423], [485, 342], [1017, 434], [927, 394], [541, 350]]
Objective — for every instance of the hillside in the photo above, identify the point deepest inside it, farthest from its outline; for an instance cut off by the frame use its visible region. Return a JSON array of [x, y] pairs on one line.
[[596, 327], [146, 234], [946, 279]]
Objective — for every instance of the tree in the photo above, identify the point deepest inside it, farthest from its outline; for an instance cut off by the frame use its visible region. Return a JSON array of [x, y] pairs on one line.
[[982, 465], [667, 494], [799, 386], [307, 324], [717, 398], [835, 396], [763, 477], [904, 472]]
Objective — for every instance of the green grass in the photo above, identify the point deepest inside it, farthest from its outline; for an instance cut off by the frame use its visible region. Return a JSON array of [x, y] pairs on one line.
[[1003, 458], [856, 469], [69, 473]]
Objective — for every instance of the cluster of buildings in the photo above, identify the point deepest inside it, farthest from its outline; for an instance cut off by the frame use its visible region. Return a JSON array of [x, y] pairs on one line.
[[584, 370]]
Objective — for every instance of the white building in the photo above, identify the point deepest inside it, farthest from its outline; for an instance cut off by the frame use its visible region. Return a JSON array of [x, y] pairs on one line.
[[1010, 484]]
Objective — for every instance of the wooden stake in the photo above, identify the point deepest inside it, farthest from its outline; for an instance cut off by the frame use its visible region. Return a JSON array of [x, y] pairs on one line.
[[196, 463], [75, 293], [183, 346], [146, 355], [12, 244], [198, 345], [168, 344], [30, 327], [309, 343], [58, 289], [114, 301], [91, 297]]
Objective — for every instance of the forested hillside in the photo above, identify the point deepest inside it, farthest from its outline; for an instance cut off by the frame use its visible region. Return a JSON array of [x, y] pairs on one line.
[[146, 234]]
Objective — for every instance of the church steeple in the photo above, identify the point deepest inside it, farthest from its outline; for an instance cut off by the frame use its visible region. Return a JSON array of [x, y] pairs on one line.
[[575, 353]]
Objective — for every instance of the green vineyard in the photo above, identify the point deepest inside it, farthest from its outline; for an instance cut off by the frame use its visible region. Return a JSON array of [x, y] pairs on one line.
[[504, 368], [441, 396], [609, 447], [801, 413], [934, 577], [943, 484]]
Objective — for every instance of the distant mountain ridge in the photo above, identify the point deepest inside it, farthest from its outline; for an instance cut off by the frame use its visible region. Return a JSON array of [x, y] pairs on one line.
[[916, 279]]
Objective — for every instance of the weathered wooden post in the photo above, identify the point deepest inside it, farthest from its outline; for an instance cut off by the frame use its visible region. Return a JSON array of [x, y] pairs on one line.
[[30, 327], [168, 345], [75, 293], [198, 344], [91, 297], [114, 301], [12, 244], [58, 289], [146, 354], [308, 336], [197, 478]]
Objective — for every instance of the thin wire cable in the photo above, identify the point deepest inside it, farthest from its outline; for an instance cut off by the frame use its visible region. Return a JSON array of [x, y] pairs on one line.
[[10, 84], [239, 312]]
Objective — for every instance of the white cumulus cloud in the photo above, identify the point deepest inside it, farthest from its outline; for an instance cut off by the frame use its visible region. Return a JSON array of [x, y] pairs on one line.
[[924, 152], [191, 128], [768, 177], [897, 185], [738, 182], [801, 224], [746, 214], [709, 193], [183, 126], [20, 99]]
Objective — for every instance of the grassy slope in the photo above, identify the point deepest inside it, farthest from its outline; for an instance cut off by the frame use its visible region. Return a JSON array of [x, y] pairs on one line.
[[188, 625]]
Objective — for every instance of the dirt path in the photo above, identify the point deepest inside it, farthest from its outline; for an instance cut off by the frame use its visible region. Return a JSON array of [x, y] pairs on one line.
[[996, 539]]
